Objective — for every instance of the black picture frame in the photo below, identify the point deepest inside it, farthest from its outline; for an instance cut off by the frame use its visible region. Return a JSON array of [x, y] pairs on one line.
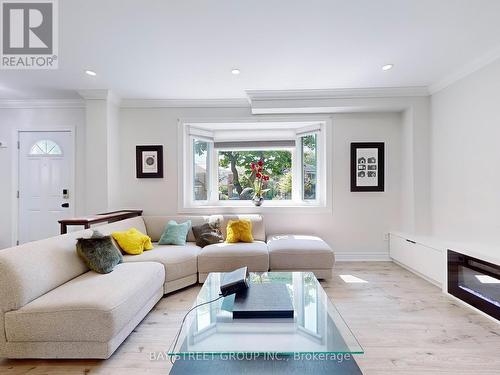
[[379, 170], [157, 166]]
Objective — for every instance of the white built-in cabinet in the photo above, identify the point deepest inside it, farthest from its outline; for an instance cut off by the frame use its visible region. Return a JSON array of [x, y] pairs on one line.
[[421, 255], [427, 256]]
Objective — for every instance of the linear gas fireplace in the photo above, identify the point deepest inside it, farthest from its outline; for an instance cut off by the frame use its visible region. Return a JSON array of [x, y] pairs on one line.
[[475, 281]]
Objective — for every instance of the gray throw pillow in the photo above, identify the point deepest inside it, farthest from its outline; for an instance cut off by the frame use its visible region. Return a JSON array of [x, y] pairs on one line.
[[207, 234], [99, 252]]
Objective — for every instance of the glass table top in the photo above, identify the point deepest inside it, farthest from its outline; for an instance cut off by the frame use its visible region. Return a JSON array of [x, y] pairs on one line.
[[317, 326]]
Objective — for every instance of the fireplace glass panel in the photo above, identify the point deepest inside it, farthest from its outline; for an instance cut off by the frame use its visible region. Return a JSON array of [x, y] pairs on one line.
[[475, 282], [481, 285]]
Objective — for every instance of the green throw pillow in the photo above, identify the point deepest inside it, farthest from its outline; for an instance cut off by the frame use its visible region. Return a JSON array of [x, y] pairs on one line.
[[175, 234], [99, 252]]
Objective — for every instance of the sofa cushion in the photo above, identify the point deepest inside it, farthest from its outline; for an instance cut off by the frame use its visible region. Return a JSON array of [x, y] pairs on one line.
[[258, 229], [179, 261], [225, 257], [92, 307], [156, 225], [239, 231], [299, 252], [175, 233], [99, 252], [207, 234], [132, 241]]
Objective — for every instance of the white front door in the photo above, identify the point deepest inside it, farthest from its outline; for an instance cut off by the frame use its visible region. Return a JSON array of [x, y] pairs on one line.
[[45, 183]]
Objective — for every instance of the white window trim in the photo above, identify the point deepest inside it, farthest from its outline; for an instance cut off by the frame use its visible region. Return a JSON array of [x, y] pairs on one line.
[[187, 130]]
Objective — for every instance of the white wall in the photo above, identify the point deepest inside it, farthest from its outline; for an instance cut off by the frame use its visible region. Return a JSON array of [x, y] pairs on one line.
[[359, 220], [96, 156], [102, 157], [466, 158], [156, 126], [106, 167], [415, 140], [32, 119], [113, 157], [415, 182]]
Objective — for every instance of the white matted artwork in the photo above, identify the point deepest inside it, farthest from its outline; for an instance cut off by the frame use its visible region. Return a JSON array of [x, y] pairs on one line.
[[367, 163], [149, 162]]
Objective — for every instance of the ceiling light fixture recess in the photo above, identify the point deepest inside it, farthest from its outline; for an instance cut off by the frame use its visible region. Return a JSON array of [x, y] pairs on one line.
[[387, 67], [235, 71], [90, 73]]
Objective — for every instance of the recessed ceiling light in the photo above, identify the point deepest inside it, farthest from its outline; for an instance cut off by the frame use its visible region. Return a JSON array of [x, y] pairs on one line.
[[235, 71], [90, 73], [388, 67]]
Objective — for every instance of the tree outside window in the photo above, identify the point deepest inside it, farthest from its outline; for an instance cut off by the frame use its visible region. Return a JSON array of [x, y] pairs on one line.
[[236, 179]]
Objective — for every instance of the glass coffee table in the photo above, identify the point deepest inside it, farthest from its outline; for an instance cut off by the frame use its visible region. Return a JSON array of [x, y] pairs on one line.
[[317, 335]]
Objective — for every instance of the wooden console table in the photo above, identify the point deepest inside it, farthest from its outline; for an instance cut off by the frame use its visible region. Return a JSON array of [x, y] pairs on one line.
[[107, 217]]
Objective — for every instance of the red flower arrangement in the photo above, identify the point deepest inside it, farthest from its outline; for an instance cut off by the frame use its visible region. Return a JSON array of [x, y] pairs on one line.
[[260, 177]]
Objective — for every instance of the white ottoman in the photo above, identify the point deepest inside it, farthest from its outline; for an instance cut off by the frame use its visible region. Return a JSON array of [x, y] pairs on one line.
[[289, 252]]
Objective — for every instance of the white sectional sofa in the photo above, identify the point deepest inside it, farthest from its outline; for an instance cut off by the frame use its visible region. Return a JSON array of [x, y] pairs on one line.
[[53, 306]]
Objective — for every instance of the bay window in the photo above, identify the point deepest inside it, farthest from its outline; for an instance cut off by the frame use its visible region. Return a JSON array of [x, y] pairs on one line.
[[201, 167], [237, 179], [223, 162], [309, 156]]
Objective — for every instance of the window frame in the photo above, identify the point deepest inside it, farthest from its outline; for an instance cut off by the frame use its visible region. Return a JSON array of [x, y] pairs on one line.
[[323, 201], [302, 174]]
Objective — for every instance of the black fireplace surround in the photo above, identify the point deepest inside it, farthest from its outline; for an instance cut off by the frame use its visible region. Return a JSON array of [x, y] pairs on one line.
[[475, 282]]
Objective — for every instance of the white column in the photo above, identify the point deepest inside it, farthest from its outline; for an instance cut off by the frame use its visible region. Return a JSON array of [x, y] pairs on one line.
[[101, 150]]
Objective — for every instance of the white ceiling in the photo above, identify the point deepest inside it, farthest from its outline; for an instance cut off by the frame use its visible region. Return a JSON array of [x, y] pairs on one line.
[[185, 49]]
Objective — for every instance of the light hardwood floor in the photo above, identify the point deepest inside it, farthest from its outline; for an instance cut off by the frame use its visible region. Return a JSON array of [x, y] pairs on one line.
[[405, 324]]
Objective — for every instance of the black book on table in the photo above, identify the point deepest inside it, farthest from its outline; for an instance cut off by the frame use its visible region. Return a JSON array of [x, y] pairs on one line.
[[263, 301]]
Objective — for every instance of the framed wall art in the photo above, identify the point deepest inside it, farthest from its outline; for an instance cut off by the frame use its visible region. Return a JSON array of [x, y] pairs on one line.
[[367, 166], [149, 161]]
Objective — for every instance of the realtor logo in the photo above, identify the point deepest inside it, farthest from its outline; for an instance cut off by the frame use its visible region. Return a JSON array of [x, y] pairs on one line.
[[29, 34]]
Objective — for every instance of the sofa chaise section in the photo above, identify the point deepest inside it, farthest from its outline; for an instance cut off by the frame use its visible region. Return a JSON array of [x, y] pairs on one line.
[[91, 308], [52, 306], [33, 269]]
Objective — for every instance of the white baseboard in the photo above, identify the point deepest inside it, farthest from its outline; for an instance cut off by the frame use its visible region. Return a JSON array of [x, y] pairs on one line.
[[419, 274], [364, 256]]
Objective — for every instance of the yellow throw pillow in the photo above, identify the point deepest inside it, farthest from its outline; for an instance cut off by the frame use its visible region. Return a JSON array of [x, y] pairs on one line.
[[239, 231], [132, 241]]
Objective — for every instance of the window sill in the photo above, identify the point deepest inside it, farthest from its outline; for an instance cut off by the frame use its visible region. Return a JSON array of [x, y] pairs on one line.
[[250, 208]]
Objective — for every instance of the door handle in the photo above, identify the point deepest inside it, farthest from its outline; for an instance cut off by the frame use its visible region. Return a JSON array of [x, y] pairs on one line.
[[65, 205]]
